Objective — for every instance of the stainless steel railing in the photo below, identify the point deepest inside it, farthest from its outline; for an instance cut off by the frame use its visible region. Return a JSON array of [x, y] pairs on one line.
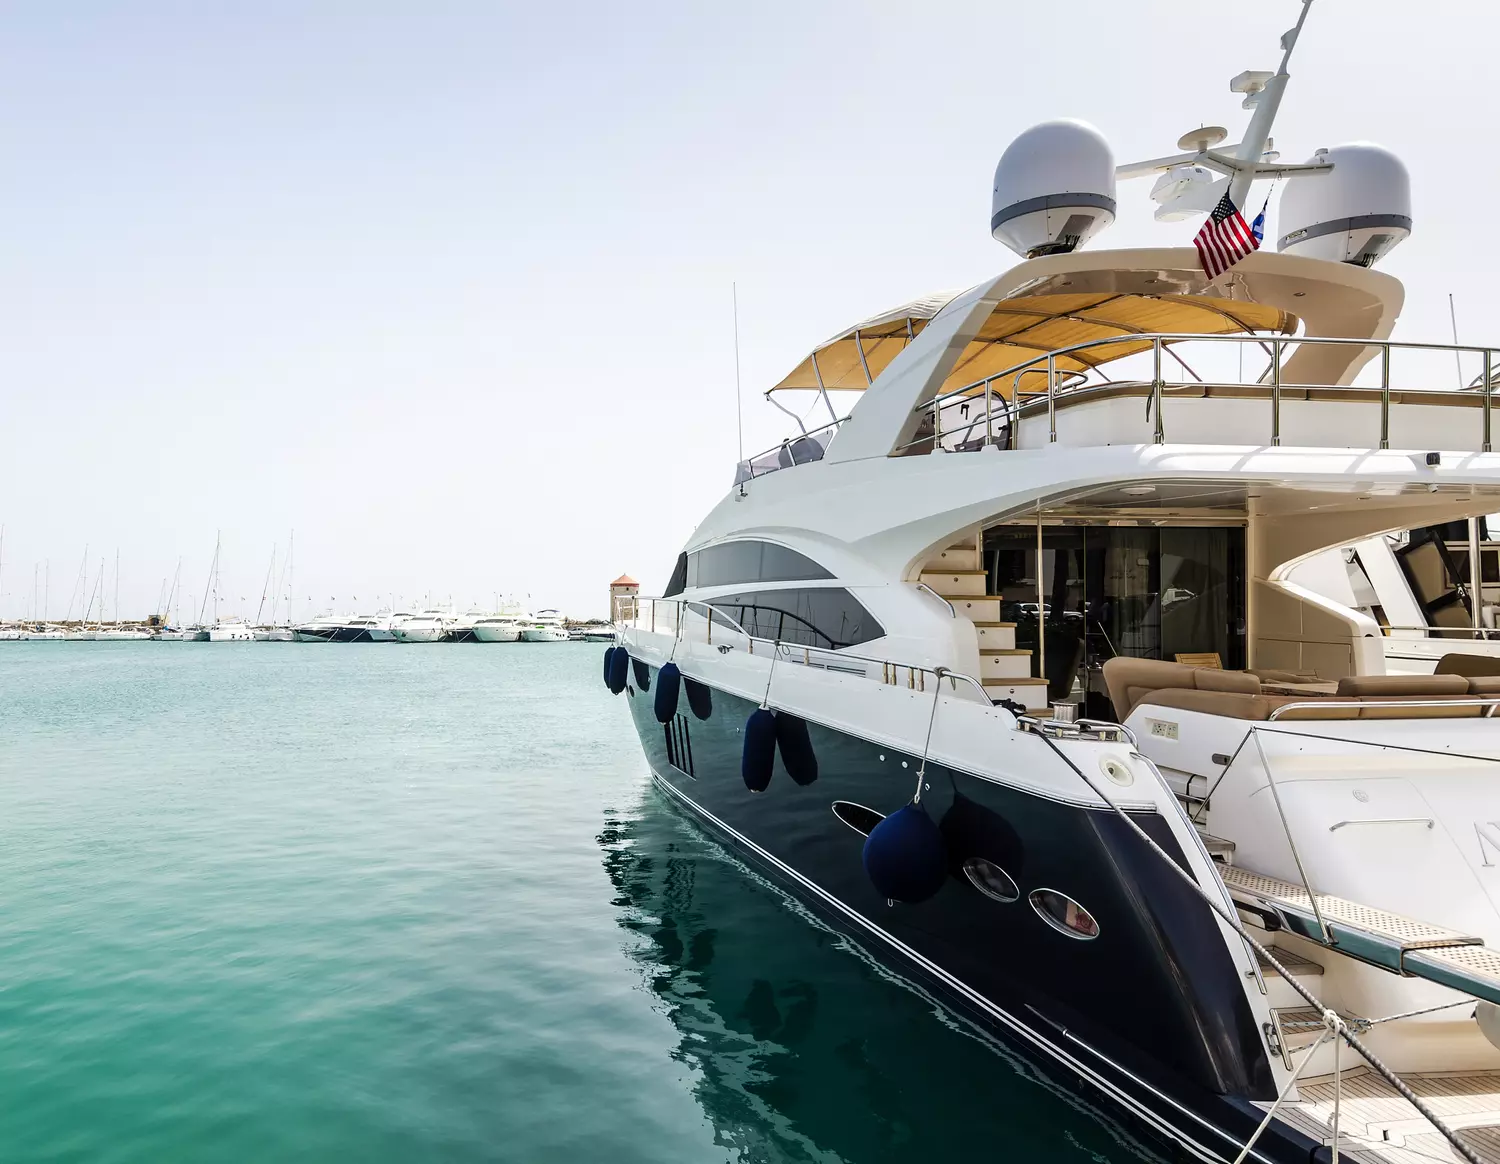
[[1063, 382], [667, 616], [787, 453]]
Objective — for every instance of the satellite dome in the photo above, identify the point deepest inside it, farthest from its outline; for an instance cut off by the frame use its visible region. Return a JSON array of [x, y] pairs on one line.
[[1054, 189], [1354, 213]]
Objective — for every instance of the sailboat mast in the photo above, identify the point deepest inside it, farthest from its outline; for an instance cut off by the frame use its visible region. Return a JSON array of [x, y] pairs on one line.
[[266, 586], [291, 549], [117, 583]]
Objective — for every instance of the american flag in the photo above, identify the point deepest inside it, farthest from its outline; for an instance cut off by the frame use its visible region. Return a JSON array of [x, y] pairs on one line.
[[1224, 239]]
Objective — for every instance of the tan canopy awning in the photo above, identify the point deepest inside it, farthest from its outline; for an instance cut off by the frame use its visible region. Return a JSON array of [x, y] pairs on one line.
[[1028, 326]]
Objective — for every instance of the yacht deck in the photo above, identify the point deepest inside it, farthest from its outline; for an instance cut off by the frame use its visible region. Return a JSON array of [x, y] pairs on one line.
[[1378, 1126]]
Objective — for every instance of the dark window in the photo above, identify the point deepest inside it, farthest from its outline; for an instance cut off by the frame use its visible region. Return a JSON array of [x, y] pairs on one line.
[[823, 617], [679, 577], [750, 562]]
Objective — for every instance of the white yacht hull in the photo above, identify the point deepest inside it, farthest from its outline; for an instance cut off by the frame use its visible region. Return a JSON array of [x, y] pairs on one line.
[[544, 634], [274, 634], [420, 634], [230, 634], [496, 634]]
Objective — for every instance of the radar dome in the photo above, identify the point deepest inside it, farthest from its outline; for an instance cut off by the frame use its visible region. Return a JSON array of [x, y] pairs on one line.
[[1054, 189], [1354, 213]]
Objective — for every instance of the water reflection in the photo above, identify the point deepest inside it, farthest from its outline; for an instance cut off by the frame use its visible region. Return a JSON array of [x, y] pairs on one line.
[[802, 1048]]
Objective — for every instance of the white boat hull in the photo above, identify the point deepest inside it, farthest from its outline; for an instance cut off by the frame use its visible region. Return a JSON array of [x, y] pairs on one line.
[[274, 634], [230, 634], [420, 634], [496, 634], [544, 634]]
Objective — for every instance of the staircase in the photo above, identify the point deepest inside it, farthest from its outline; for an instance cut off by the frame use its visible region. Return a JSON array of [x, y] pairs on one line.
[[957, 573]]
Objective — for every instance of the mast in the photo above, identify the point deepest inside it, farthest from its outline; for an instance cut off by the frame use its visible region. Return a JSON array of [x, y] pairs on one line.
[[117, 583], [291, 546], [208, 582], [1268, 101], [265, 587]]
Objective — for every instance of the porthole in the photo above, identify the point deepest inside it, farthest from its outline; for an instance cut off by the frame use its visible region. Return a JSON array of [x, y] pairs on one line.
[[1064, 914], [857, 816], [991, 880]]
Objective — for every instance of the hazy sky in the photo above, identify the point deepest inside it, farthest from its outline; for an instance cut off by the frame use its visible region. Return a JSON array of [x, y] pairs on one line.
[[446, 286]]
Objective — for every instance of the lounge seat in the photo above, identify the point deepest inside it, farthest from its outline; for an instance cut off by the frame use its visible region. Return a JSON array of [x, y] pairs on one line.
[[1387, 689], [1467, 665], [1136, 683], [1131, 680]]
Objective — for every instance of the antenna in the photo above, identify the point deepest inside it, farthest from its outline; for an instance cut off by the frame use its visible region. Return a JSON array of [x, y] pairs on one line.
[[1457, 357], [1252, 158], [739, 407]]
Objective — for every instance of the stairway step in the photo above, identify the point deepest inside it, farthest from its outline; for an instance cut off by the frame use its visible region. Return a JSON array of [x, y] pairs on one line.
[[954, 558], [998, 664], [1028, 692], [969, 583], [976, 607], [1000, 636]]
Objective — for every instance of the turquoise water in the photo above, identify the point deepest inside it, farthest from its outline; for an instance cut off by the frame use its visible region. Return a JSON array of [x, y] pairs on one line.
[[308, 902]]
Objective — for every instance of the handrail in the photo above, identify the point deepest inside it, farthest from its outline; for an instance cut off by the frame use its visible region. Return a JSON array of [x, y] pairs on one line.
[[1353, 704], [1426, 820], [806, 434], [1069, 380], [1277, 343], [952, 611], [890, 670]]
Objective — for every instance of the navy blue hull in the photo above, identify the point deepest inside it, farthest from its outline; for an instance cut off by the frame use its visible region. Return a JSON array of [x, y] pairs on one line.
[[1151, 1012]]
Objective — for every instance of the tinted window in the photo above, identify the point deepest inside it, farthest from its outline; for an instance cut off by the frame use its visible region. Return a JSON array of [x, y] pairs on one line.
[[679, 577], [750, 562], [830, 618]]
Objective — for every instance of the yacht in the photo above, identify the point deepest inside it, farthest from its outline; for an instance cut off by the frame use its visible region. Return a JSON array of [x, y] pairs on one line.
[[431, 626], [366, 628], [1001, 671], [592, 632], [273, 634], [168, 634], [318, 630], [43, 632], [462, 630], [116, 634], [500, 628], [546, 626], [230, 630]]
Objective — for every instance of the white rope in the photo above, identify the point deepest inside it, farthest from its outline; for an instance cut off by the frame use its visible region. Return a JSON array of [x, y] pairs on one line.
[[1390, 1018], [1328, 1018]]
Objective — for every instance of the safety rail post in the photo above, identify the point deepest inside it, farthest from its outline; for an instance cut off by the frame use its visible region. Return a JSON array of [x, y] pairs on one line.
[[989, 424], [1160, 435], [1275, 392], [1385, 395], [1051, 397], [1486, 400], [1286, 827]]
